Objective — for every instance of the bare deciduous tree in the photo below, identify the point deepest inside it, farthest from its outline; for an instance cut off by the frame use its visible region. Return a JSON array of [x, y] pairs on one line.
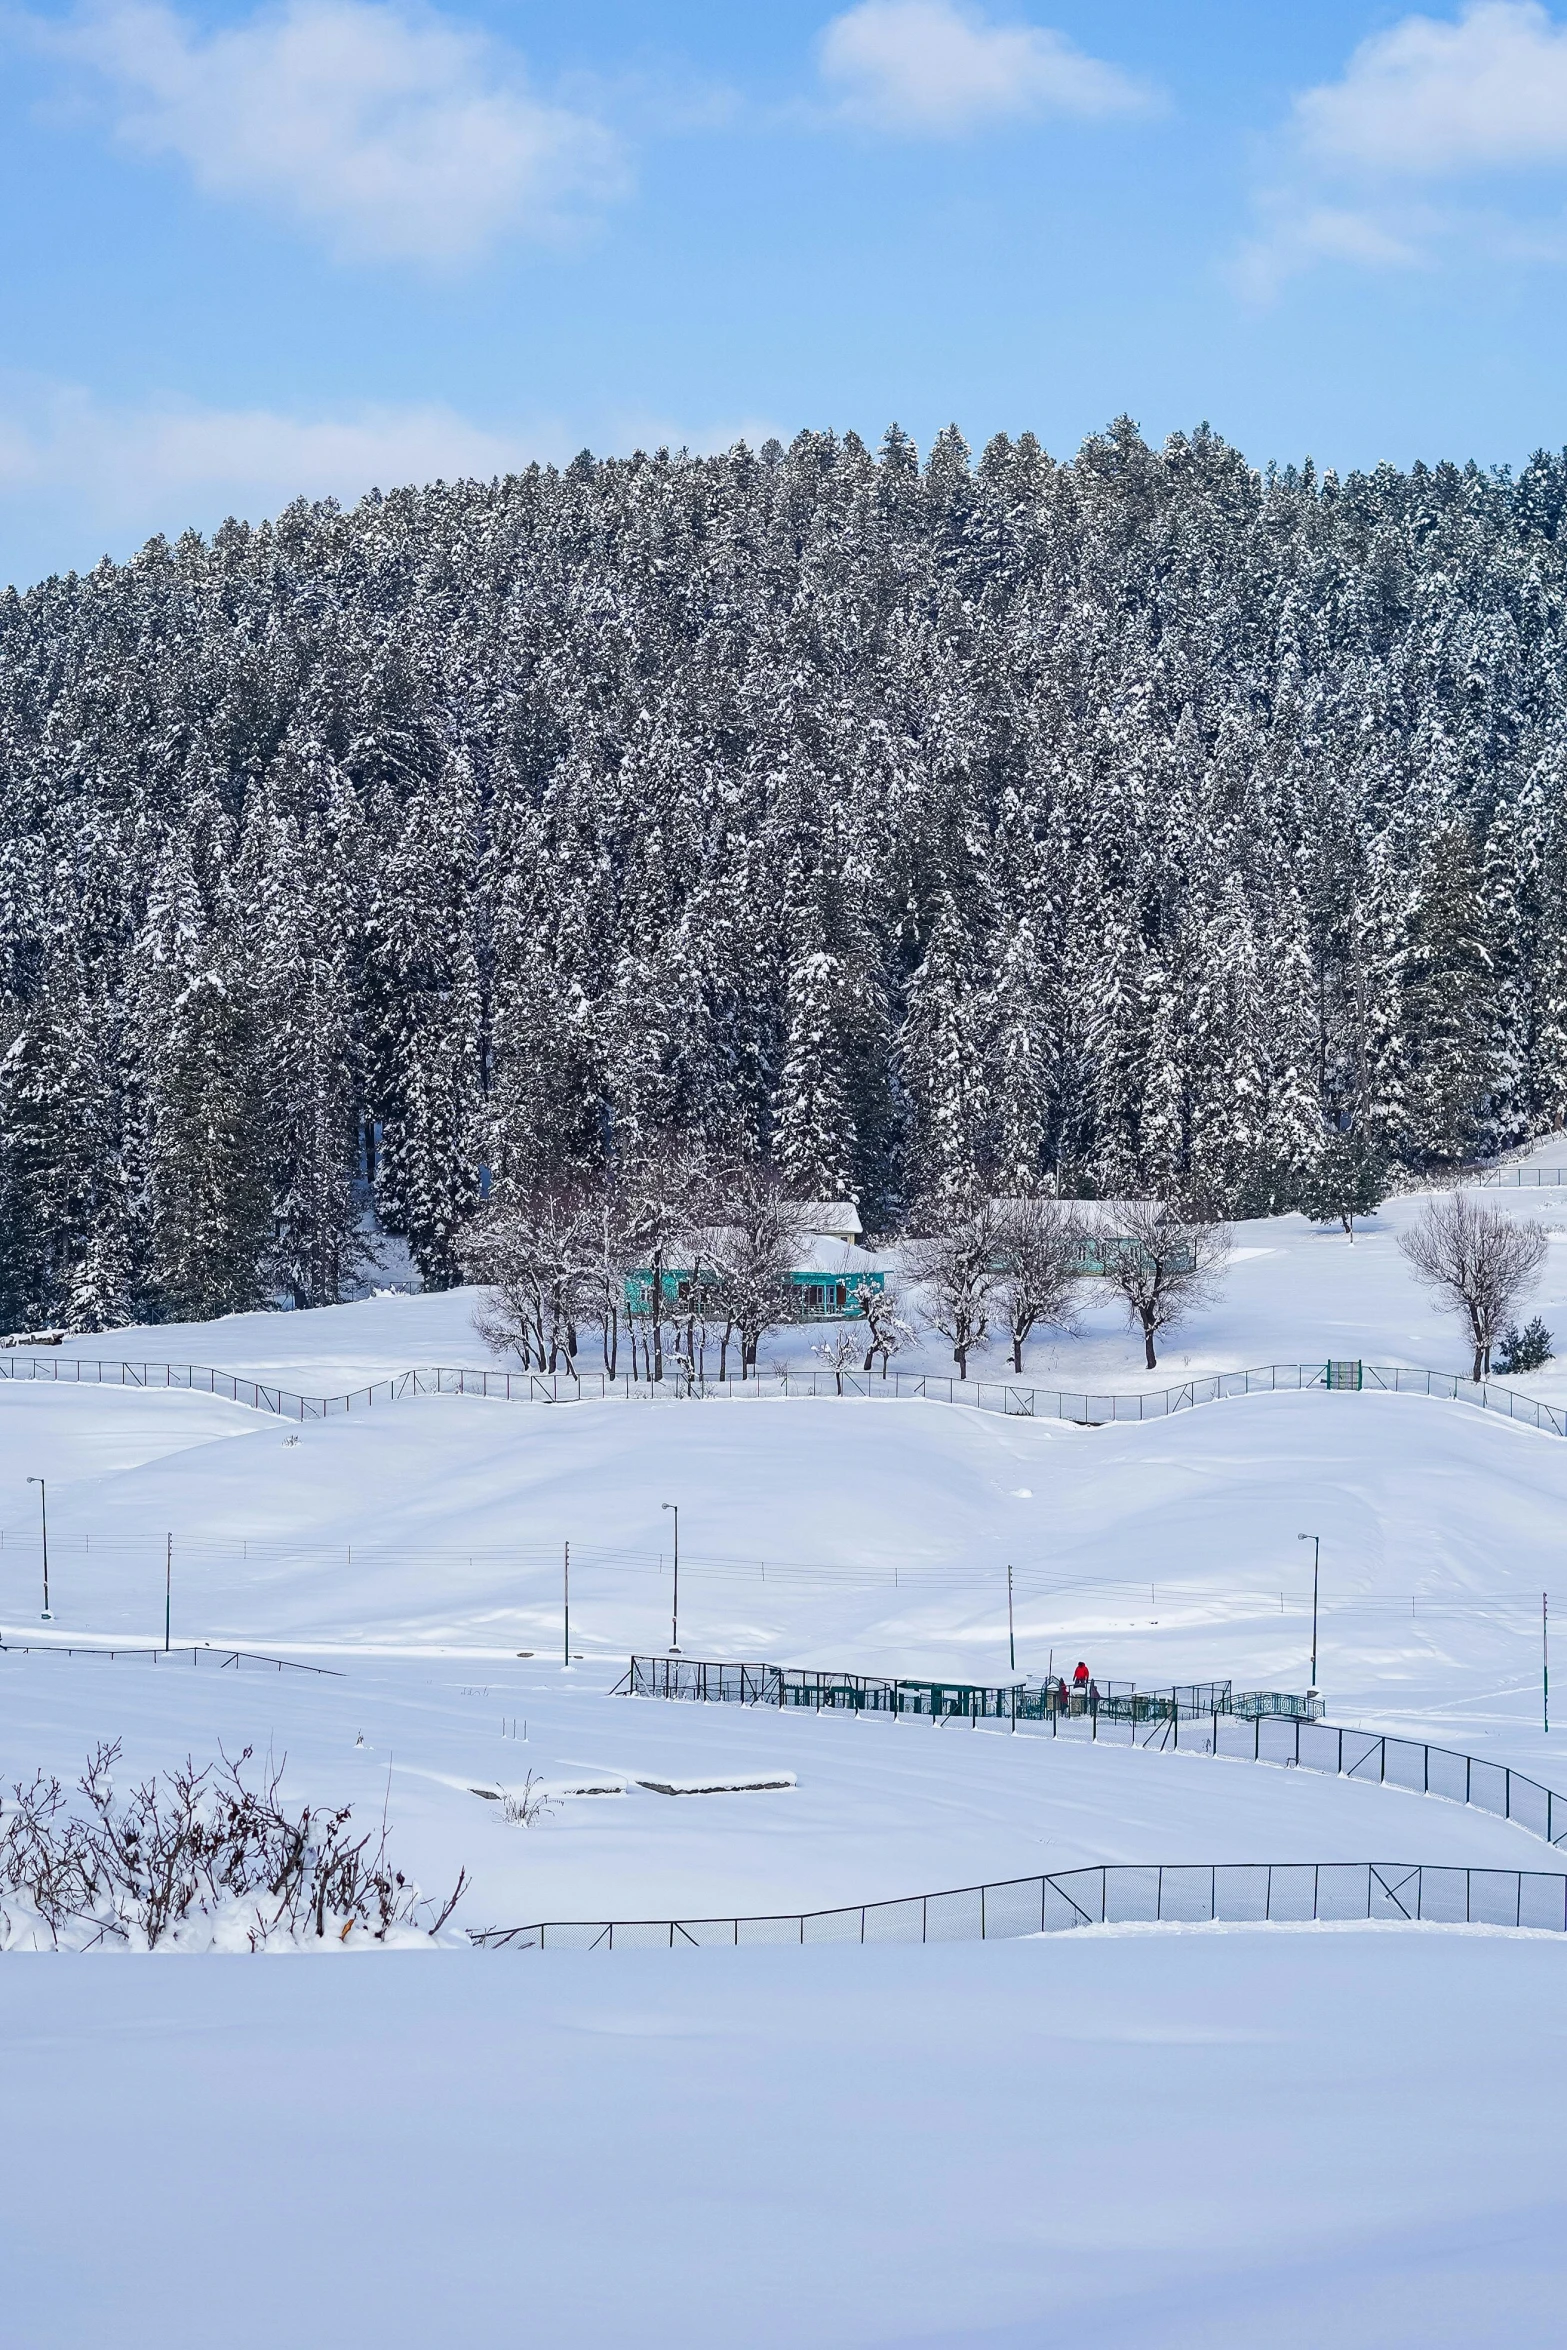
[[532, 1251], [1481, 1263], [753, 1250], [956, 1269], [1163, 1264], [1042, 1256], [888, 1329], [669, 1202]]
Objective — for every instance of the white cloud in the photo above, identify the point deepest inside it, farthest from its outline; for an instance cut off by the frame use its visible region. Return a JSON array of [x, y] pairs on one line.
[[161, 466], [78, 475], [1433, 98], [1428, 100], [394, 133], [929, 66], [1321, 232]]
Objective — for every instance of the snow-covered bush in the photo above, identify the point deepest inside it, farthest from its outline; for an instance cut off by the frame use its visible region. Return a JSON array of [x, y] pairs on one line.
[[197, 1860], [1528, 1349]]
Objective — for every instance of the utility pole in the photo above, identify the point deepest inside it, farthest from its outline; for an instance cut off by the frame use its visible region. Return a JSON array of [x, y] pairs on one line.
[[168, 1589], [1011, 1641], [1316, 1560], [1545, 1658], [43, 1504], [566, 1605], [674, 1621]]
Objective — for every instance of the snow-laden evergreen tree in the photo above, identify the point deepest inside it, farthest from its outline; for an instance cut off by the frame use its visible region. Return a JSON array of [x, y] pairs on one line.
[[208, 1208], [1448, 1002], [1159, 816], [312, 1086], [942, 1070], [424, 985], [814, 1140]]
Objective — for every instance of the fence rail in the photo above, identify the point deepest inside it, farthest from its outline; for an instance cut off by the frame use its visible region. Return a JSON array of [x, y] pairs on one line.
[[226, 1659], [1010, 1397], [1518, 1178], [1114, 1894], [1368, 1755]]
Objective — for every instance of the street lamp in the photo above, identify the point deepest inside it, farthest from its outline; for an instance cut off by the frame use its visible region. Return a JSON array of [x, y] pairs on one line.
[[1316, 1560], [674, 1622], [43, 1504]]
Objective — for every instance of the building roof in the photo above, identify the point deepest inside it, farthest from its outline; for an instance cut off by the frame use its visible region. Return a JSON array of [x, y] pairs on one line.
[[831, 1215]]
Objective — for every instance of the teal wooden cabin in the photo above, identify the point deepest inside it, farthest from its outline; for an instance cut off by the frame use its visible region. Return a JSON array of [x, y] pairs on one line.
[[813, 1296]]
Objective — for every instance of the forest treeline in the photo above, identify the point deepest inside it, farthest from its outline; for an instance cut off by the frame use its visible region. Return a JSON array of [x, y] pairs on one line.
[[908, 826]]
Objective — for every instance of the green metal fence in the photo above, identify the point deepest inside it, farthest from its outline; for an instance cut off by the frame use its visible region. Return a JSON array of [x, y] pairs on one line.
[[1247, 1893], [1011, 1397]]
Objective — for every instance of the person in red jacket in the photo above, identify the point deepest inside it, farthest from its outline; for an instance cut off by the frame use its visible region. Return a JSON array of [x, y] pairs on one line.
[[1080, 1688]]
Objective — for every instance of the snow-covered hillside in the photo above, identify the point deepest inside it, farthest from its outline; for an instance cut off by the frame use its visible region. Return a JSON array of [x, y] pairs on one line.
[[416, 1552]]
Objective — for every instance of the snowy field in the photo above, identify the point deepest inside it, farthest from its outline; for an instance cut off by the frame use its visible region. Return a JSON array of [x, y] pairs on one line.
[[1351, 2132], [1288, 2137]]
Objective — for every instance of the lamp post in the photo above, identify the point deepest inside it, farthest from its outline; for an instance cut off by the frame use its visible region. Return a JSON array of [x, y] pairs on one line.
[[43, 1507], [1316, 1560], [674, 1621]]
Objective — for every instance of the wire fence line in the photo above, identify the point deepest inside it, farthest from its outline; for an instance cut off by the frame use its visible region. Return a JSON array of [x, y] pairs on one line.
[[1009, 1397], [1244, 1893], [1518, 1178], [226, 1659], [1371, 1756], [1204, 1718]]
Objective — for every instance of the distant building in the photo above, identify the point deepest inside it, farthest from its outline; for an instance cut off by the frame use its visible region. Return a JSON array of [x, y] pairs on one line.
[[832, 1219], [816, 1294]]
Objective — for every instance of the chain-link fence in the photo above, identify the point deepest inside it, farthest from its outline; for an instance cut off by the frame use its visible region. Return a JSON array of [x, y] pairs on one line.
[[1372, 1755], [1242, 1894], [708, 1681], [1006, 1396], [712, 1681]]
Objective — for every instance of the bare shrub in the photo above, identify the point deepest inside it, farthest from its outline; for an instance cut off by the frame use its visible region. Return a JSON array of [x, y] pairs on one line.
[[1163, 1263], [525, 1806], [191, 1855], [840, 1353], [1481, 1262]]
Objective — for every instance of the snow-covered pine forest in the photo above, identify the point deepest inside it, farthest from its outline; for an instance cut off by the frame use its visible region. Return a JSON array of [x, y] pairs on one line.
[[1117, 824]]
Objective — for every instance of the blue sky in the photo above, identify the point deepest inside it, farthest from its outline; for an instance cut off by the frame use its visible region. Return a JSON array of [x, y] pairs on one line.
[[331, 243]]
